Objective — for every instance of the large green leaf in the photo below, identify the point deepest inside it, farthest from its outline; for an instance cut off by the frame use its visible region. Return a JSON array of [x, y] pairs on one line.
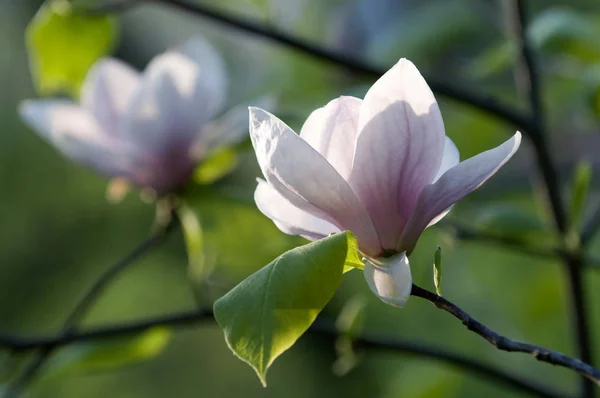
[[266, 313], [63, 45], [109, 353]]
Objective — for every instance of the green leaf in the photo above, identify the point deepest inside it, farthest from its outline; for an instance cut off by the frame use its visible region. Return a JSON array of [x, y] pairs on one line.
[[437, 271], [266, 313], [194, 240], [62, 46], [110, 353], [216, 166], [567, 32]]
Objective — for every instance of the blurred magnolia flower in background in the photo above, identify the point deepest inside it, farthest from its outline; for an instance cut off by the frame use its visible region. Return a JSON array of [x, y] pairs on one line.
[[148, 128], [382, 168]]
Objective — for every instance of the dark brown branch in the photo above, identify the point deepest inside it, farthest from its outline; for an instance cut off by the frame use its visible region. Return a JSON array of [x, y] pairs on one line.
[[321, 327], [483, 102], [506, 344]]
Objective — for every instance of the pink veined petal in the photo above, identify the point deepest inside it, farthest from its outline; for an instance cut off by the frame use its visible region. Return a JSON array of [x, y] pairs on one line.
[[77, 135], [305, 178], [398, 150], [454, 185], [289, 218], [332, 131], [107, 90], [177, 96]]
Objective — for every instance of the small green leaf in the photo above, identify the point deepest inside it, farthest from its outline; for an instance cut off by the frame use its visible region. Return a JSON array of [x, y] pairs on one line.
[[582, 177], [216, 166], [266, 313], [109, 353], [63, 45], [194, 240], [437, 271]]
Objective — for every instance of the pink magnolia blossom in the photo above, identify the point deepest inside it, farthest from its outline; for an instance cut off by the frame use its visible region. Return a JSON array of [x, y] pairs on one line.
[[150, 128], [382, 168]]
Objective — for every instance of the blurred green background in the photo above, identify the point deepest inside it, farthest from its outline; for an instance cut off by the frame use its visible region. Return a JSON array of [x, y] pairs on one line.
[[58, 232]]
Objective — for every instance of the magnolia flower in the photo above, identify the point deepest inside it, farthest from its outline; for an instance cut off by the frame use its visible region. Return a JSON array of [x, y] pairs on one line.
[[382, 168], [150, 128]]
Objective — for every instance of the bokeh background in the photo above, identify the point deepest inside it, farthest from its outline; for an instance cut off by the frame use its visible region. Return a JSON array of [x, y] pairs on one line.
[[58, 232]]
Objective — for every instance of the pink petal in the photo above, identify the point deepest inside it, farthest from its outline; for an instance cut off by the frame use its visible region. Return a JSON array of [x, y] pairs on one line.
[[107, 90], [305, 178], [332, 131], [177, 96], [289, 218], [454, 185], [399, 148]]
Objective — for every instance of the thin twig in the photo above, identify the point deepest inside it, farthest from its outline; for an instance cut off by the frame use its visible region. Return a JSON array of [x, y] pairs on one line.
[[86, 303], [321, 327], [506, 344], [482, 102], [573, 263]]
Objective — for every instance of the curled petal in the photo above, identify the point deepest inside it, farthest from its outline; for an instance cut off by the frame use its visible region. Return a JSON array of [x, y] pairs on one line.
[[399, 148], [332, 131], [305, 178], [77, 135], [287, 217], [389, 278], [454, 185], [107, 90], [450, 158]]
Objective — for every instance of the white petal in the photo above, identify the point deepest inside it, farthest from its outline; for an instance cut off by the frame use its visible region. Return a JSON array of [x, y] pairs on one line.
[[454, 185], [289, 218], [307, 180], [178, 95], [332, 131], [107, 90], [450, 158], [212, 83], [399, 148], [389, 278], [76, 134]]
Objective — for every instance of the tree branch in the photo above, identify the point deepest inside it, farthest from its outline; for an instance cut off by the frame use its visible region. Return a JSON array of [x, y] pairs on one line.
[[504, 343], [465, 233], [482, 102], [573, 263], [321, 327], [86, 303]]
